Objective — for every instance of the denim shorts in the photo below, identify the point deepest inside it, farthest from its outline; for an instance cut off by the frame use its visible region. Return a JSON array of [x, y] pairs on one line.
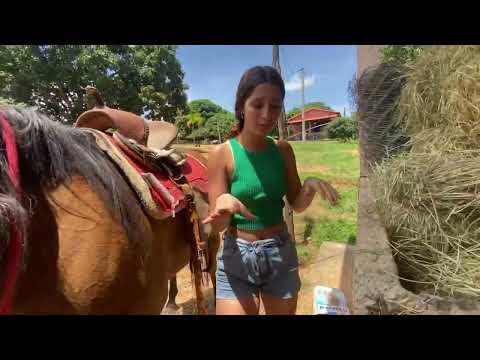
[[246, 268]]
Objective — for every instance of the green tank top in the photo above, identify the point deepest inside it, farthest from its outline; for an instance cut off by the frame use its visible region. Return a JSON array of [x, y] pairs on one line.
[[259, 182]]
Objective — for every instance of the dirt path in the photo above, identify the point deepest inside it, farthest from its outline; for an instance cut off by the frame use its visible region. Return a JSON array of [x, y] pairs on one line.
[[324, 269], [309, 274], [186, 295]]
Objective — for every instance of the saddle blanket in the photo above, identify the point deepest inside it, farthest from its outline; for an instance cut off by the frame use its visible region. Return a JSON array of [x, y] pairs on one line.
[[160, 196]]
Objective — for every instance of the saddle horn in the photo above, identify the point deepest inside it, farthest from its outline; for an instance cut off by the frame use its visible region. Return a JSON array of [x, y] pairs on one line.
[[92, 91]]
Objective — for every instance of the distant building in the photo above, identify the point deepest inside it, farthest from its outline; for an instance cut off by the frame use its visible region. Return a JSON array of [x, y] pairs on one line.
[[316, 120]]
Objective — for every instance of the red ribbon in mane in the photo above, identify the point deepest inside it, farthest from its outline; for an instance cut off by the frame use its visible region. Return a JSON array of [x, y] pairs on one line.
[[14, 251]]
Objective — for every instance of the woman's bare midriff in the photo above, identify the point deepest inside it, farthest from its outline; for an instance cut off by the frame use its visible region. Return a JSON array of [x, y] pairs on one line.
[[255, 235]]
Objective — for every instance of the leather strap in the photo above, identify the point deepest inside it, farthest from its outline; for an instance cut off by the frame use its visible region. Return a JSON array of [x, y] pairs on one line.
[[199, 260]]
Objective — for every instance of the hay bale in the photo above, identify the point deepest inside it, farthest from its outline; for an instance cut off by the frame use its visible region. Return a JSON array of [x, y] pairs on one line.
[[428, 193], [443, 92], [429, 197], [430, 206]]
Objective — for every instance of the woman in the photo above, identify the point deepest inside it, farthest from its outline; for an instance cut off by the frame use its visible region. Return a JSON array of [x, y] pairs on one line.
[[249, 175]]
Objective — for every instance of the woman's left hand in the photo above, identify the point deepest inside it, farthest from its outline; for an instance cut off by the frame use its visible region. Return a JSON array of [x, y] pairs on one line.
[[325, 190]]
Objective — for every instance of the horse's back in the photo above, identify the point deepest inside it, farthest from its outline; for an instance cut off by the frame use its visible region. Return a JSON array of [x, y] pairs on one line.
[[81, 260]]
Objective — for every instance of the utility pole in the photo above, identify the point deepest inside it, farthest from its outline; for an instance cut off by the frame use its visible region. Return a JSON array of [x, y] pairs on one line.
[[218, 132], [281, 120], [282, 132], [304, 135]]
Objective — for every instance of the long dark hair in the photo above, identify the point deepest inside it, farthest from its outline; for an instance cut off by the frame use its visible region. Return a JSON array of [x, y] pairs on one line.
[[250, 80]]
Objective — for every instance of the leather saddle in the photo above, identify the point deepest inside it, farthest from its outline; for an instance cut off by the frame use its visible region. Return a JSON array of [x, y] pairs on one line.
[[146, 141], [156, 135]]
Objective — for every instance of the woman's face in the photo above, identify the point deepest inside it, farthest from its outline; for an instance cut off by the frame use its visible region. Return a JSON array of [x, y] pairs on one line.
[[262, 109]]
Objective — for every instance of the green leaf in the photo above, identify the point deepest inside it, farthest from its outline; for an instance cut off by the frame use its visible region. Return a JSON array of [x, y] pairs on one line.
[[144, 79]]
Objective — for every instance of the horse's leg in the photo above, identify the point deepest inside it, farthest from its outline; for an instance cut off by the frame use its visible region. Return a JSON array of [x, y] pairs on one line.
[[167, 250], [171, 249], [172, 294]]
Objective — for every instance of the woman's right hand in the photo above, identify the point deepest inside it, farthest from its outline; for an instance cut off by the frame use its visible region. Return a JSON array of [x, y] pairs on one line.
[[225, 206]]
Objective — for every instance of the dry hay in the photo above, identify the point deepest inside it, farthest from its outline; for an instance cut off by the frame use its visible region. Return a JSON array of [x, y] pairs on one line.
[[442, 91], [429, 196], [430, 205]]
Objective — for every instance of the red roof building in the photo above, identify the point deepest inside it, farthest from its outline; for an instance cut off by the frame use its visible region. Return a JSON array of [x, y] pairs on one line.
[[315, 119]]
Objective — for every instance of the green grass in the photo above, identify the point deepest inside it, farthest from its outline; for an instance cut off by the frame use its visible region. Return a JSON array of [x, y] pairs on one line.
[[338, 230], [341, 166], [325, 229], [347, 205], [337, 156], [304, 253]]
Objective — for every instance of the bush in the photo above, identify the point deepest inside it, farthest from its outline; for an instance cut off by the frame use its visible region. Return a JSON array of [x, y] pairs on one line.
[[343, 128], [401, 54]]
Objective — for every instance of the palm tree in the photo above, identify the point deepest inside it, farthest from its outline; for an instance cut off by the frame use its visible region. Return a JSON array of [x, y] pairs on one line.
[[194, 120]]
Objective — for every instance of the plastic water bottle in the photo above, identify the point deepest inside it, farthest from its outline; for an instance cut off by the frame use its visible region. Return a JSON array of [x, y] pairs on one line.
[[329, 301]]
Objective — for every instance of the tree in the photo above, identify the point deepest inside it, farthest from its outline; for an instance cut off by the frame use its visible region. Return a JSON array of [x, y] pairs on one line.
[[143, 79], [205, 107], [220, 124], [194, 121], [198, 134], [316, 104], [400, 54], [181, 124], [215, 120]]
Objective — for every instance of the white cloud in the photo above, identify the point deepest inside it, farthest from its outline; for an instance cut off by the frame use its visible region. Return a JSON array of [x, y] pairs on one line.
[[295, 82]]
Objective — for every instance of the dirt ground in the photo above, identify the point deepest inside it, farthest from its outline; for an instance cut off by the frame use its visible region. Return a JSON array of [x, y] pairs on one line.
[[186, 297]]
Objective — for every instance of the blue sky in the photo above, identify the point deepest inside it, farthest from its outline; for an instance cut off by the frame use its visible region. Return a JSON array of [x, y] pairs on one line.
[[213, 71]]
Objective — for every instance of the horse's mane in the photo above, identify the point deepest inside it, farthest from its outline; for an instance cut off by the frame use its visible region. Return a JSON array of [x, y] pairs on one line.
[[10, 207], [50, 153]]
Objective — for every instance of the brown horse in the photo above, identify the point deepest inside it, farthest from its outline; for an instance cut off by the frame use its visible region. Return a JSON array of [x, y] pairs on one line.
[[89, 247]]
